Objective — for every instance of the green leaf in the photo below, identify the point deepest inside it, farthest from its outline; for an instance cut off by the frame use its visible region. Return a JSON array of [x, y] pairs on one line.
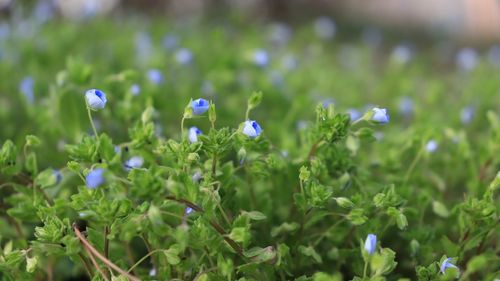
[[440, 209]]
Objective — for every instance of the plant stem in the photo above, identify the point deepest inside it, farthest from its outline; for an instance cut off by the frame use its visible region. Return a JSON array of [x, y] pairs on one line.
[[143, 259], [412, 165], [106, 241], [182, 127], [365, 269], [96, 265], [100, 256], [86, 265], [91, 121], [214, 165]]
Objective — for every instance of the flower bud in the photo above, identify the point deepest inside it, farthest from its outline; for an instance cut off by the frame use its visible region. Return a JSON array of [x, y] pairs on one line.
[[199, 106], [96, 99], [251, 129]]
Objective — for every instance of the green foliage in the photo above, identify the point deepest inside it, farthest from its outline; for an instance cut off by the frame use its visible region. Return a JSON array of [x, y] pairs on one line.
[[294, 203]]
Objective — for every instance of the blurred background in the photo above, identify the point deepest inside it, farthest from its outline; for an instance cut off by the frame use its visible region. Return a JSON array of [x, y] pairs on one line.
[[469, 22]]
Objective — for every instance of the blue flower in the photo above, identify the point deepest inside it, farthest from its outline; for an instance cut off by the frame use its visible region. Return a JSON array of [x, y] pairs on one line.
[[183, 56], [406, 106], [188, 210], [371, 243], [380, 115], [402, 54], [193, 134], [170, 42], [467, 59], [26, 88], [95, 178], [354, 114], [251, 129], [196, 177], [199, 106], [155, 76], [446, 264], [57, 174], [467, 114], [431, 146], [324, 28], [260, 57], [135, 89], [134, 162], [96, 99]]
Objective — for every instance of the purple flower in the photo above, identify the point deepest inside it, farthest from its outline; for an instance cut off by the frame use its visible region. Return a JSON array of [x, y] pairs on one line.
[[354, 114], [466, 59], [467, 114], [406, 106]]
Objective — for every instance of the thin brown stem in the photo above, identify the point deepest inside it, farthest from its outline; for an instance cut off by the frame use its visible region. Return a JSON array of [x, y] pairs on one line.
[[96, 265], [106, 241], [86, 265], [100, 256]]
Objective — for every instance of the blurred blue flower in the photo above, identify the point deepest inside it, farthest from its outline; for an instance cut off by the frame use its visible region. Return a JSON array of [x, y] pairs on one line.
[[467, 59], [26, 87], [371, 243], [431, 146], [327, 102], [493, 55], [143, 45], [380, 115], [95, 178], [188, 210], [354, 114], [406, 106], [193, 134], [467, 114], [289, 62], [134, 162], [183, 56], [196, 176], [280, 34], [43, 11], [446, 264], [324, 27], [402, 54], [251, 129], [135, 89], [260, 57], [170, 42], [199, 106], [96, 99], [155, 76], [57, 174]]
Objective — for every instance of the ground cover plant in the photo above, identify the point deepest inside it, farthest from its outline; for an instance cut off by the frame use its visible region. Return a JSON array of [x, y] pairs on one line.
[[235, 152]]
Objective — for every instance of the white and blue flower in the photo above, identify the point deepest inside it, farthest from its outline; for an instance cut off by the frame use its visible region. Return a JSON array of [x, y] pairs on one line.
[[96, 99], [380, 115], [193, 134], [325, 28], [134, 163], [199, 106], [252, 129], [371, 243], [446, 264]]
